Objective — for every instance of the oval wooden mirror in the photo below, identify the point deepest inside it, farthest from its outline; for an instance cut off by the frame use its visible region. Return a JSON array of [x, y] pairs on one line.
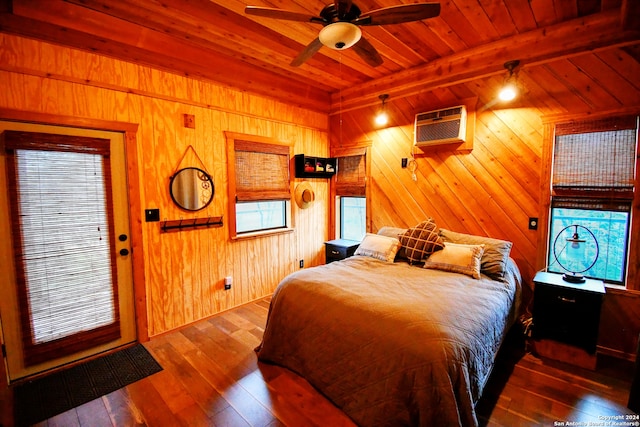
[[191, 189]]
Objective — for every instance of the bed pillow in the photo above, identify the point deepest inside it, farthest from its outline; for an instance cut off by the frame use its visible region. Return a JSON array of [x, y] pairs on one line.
[[457, 258], [390, 231], [421, 241], [496, 251], [380, 247]]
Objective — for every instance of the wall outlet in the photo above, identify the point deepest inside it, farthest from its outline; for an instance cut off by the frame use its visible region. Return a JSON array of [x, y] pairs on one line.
[[227, 283], [404, 162], [301, 263]]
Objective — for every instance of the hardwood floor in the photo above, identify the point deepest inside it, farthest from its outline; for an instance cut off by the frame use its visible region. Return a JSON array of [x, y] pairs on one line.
[[211, 378]]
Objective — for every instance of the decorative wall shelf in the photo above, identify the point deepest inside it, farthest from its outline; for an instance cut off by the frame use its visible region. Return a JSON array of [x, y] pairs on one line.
[[315, 167], [181, 224]]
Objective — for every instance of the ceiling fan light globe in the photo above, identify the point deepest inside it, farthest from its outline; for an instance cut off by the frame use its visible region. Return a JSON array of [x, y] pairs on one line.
[[340, 35]]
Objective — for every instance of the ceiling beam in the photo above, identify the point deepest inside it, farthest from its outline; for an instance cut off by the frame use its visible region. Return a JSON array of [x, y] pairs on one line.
[[571, 38]]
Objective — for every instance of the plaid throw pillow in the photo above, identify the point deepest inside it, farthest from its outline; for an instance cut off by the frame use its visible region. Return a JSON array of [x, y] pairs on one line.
[[421, 241]]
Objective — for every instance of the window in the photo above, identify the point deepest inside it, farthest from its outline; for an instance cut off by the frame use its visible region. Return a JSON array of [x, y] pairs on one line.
[[353, 217], [350, 190], [257, 216], [593, 186], [259, 185]]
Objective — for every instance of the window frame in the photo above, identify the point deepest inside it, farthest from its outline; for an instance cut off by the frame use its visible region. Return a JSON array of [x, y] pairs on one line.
[[552, 265], [267, 145], [358, 149], [632, 277], [11, 142]]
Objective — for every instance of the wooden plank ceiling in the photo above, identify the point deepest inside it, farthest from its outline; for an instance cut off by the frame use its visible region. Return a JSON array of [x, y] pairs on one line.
[[215, 40]]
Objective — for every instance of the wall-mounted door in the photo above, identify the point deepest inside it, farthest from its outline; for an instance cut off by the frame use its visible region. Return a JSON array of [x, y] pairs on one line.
[[65, 251]]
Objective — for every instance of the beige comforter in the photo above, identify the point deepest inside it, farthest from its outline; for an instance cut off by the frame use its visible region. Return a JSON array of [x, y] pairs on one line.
[[391, 344]]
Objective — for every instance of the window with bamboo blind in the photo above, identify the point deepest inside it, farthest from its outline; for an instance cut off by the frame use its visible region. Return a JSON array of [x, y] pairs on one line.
[[259, 185], [62, 215], [350, 189], [593, 185], [351, 176]]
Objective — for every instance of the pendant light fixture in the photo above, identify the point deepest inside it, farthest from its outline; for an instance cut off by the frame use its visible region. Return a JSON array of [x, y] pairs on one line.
[[509, 89], [382, 118]]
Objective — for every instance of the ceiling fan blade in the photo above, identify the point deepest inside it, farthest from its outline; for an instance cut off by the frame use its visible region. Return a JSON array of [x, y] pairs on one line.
[[270, 12], [307, 53], [367, 52], [399, 14]]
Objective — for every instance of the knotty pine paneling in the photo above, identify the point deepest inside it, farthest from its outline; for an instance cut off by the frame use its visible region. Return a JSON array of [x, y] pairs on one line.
[[491, 189], [184, 271], [495, 187]]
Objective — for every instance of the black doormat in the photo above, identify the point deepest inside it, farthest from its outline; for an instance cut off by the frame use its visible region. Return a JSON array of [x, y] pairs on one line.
[[44, 397]]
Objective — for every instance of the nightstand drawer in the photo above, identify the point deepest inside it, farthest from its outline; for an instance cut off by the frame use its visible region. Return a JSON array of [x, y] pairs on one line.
[[338, 249]]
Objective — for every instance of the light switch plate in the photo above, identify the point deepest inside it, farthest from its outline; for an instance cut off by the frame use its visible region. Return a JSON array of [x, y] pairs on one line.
[[152, 215]]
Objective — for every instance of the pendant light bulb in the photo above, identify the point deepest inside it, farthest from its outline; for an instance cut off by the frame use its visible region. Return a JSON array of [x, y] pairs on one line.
[[508, 92], [509, 89], [382, 118]]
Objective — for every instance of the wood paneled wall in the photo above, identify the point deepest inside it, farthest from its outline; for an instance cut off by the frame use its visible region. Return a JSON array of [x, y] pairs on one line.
[[495, 187], [184, 270], [491, 189]]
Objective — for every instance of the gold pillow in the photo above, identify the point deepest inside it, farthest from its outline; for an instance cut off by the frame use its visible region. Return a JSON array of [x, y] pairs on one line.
[[380, 247], [457, 258], [421, 241], [496, 252]]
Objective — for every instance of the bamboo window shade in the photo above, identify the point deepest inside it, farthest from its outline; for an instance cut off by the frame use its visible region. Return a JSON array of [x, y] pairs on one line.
[[261, 171], [595, 159], [62, 219], [351, 176]]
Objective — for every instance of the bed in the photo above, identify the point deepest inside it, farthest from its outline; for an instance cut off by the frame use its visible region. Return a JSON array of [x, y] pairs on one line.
[[389, 342]]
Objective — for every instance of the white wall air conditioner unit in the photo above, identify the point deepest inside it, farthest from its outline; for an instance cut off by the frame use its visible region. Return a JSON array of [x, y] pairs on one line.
[[446, 126]]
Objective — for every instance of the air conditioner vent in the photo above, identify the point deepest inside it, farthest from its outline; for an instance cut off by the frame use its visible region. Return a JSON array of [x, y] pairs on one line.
[[444, 126]]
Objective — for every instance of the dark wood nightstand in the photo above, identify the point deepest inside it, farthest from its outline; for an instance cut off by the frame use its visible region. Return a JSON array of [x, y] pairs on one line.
[[568, 313], [338, 249]]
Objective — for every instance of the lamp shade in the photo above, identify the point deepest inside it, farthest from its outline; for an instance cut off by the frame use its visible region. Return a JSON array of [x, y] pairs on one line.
[[340, 35]]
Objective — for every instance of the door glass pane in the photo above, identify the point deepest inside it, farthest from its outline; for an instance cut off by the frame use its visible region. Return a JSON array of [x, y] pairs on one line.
[[65, 242]]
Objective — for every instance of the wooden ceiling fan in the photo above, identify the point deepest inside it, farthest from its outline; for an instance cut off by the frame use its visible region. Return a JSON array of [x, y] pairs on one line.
[[341, 21]]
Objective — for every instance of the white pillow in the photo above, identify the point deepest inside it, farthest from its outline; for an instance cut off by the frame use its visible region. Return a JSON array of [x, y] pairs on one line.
[[457, 258], [381, 247]]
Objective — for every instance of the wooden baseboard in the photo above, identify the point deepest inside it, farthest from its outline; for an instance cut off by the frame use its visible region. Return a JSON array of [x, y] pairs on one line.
[[564, 353], [616, 353]]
